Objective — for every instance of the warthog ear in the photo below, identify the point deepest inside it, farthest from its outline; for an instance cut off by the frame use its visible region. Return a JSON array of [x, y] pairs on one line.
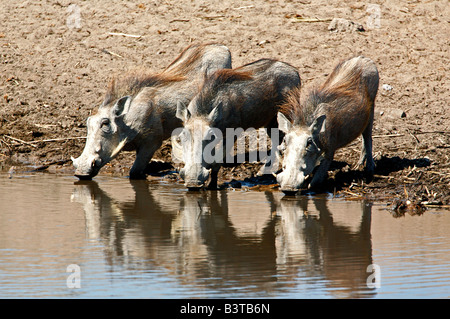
[[182, 112], [284, 125], [216, 113], [122, 106], [318, 127]]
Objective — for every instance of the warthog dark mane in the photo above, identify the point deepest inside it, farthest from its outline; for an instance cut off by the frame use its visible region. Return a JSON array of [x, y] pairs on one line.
[[132, 82], [302, 109]]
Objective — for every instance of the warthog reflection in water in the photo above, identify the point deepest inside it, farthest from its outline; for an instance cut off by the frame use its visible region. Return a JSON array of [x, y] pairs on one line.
[[212, 239]]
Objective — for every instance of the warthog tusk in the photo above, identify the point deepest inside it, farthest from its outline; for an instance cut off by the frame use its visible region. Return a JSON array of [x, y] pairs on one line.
[[74, 160], [118, 148]]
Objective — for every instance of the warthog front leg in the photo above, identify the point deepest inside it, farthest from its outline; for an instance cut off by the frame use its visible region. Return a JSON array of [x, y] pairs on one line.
[[272, 163], [366, 151], [143, 157], [213, 177], [321, 173]]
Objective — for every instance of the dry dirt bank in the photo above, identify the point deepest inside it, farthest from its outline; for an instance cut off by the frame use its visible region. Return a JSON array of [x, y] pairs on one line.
[[56, 60]]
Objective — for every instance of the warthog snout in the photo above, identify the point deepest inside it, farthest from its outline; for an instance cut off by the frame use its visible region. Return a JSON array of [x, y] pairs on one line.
[[86, 169], [195, 179], [290, 184]]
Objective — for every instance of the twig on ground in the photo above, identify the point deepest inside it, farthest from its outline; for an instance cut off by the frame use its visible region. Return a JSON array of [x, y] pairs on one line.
[[58, 139], [112, 53], [413, 135], [179, 20], [244, 7], [433, 132], [301, 19], [388, 135], [125, 34], [353, 194], [31, 143], [435, 205], [20, 141]]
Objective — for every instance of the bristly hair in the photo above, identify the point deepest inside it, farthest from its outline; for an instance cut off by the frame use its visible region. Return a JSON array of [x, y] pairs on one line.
[[225, 76], [214, 82], [302, 110], [295, 108], [341, 83], [193, 53], [132, 82]]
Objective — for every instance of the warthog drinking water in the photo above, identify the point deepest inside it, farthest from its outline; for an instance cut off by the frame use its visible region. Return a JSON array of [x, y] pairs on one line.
[[138, 112], [245, 97], [327, 119]]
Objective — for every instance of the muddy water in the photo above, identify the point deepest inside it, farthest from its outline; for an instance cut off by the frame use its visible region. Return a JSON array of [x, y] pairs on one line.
[[112, 238]]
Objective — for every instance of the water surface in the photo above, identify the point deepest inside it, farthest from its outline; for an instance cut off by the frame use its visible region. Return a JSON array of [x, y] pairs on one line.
[[142, 239]]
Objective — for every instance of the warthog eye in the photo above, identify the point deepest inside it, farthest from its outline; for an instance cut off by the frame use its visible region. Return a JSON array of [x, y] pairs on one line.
[[281, 148], [105, 125], [311, 145]]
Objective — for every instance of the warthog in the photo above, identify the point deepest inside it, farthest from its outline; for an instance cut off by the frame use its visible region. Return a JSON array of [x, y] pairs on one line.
[[245, 97], [325, 120], [138, 112]]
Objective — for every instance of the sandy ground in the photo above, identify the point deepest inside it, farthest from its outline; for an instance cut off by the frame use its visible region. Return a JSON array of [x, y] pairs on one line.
[[57, 57]]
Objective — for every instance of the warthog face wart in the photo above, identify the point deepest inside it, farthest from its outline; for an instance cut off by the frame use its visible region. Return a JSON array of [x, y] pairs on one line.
[[301, 152], [106, 136]]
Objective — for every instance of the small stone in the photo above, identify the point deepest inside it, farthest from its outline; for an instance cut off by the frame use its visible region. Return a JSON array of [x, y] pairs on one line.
[[393, 113], [343, 25]]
